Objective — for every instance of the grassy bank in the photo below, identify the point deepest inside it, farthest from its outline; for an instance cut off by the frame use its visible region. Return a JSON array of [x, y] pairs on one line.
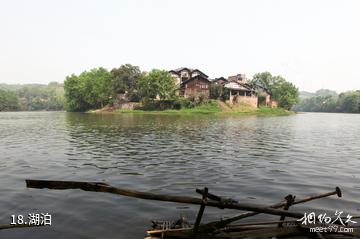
[[263, 111], [216, 107], [210, 108]]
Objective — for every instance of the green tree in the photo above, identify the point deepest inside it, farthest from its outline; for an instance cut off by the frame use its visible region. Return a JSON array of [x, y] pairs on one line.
[[75, 94], [8, 101], [264, 80], [218, 91], [97, 87], [349, 102], [281, 90], [157, 83], [284, 92], [57, 97], [317, 104], [41, 97], [91, 89], [125, 79]]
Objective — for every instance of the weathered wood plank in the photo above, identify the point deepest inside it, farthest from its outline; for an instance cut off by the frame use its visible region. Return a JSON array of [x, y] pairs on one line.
[[219, 224], [103, 187]]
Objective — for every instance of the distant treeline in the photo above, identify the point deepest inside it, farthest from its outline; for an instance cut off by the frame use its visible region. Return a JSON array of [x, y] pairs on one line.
[[329, 101], [32, 97]]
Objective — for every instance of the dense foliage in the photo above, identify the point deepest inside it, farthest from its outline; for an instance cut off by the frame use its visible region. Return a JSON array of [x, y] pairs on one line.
[[157, 83], [91, 89], [96, 88], [125, 80], [348, 102], [8, 101], [42, 97], [32, 97], [284, 92]]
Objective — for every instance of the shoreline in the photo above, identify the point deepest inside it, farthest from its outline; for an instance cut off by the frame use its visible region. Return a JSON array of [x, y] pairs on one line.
[[204, 110]]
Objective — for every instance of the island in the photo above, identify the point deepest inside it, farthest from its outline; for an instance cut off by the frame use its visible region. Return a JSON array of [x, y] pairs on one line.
[[183, 90]]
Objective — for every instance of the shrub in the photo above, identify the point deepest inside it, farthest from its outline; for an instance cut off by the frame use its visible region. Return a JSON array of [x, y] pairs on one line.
[[187, 103], [134, 96], [202, 99], [173, 104]]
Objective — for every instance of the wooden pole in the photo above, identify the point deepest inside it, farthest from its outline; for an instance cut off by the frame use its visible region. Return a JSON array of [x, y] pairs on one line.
[[310, 198], [103, 187], [3, 227], [215, 197], [201, 212], [219, 224], [289, 201]]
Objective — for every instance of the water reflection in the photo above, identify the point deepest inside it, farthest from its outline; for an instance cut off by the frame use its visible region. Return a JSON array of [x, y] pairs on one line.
[[253, 159]]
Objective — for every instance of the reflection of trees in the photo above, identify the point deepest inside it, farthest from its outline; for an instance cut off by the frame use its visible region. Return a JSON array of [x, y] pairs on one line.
[[108, 140], [118, 135]]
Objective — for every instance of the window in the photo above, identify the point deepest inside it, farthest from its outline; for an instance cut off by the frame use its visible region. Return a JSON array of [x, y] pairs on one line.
[[184, 74]]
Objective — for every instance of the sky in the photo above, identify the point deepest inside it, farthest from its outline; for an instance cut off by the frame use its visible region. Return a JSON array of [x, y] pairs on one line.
[[312, 43]]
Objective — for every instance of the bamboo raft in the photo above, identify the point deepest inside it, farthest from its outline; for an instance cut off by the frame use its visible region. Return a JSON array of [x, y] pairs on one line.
[[222, 229]]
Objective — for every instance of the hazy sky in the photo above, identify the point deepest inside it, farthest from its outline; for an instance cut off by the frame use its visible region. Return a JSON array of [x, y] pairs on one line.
[[314, 44]]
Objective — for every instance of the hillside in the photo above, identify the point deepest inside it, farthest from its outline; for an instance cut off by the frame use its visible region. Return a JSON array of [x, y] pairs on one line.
[[321, 92]]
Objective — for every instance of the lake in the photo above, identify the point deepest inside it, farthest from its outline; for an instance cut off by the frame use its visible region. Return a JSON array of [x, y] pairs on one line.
[[251, 159]]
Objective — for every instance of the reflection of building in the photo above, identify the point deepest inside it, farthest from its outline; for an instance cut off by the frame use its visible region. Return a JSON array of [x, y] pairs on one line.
[[191, 81]]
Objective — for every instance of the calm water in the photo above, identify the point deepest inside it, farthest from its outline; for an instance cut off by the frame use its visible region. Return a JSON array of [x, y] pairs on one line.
[[252, 159]]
